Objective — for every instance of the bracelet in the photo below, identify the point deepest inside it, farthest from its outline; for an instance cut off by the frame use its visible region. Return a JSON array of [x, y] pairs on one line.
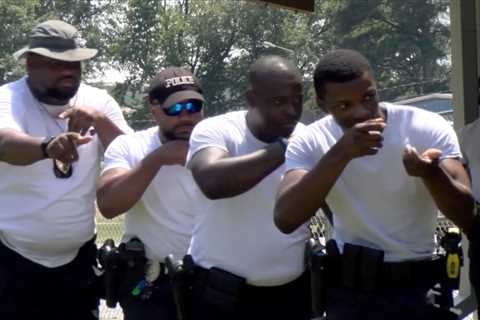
[[43, 146]]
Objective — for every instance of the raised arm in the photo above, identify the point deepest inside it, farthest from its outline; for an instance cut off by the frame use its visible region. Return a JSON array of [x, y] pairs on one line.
[[447, 182], [220, 176], [302, 193], [82, 118], [18, 148], [118, 189]]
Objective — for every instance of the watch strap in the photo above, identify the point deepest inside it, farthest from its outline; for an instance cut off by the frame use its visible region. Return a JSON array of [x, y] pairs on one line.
[[43, 146]]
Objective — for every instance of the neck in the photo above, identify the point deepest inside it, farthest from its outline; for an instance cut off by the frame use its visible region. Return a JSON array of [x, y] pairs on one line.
[[257, 129]]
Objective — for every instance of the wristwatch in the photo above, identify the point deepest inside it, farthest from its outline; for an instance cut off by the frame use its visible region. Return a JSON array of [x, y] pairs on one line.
[[43, 146]]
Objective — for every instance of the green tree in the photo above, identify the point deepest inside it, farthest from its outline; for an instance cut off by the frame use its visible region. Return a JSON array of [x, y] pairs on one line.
[[405, 40]]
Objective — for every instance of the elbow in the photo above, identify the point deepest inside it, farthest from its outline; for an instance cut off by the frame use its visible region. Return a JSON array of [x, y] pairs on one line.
[[107, 213], [281, 221], [211, 192], [107, 210], [210, 187]]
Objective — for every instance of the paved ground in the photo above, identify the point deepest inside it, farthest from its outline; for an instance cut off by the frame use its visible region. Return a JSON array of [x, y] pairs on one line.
[[110, 314]]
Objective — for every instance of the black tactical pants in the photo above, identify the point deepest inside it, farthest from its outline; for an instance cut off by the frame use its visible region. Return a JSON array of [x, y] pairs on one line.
[[153, 303], [287, 302], [474, 255], [391, 304], [30, 291]]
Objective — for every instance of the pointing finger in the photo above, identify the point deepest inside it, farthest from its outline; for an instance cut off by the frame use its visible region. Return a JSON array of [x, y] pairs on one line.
[[66, 114]]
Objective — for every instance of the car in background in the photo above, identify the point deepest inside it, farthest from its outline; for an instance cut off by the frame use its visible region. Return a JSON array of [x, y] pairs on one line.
[[441, 103]]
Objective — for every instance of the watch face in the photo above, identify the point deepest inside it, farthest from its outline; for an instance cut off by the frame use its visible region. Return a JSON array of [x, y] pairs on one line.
[[62, 170]]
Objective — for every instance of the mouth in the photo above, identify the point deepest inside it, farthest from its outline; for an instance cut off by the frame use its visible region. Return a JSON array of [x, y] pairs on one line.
[[70, 82], [184, 128]]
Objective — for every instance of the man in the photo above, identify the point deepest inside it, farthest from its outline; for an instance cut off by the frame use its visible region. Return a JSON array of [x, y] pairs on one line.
[[469, 145], [144, 176], [247, 268], [383, 170], [52, 130]]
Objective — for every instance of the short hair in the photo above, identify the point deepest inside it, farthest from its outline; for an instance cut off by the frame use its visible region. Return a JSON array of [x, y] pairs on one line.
[[339, 65], [267, 66]]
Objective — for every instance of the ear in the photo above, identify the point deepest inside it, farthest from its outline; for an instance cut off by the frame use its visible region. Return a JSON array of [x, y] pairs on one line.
[[321, 104], [29, 61], [250, 95], [154, 110]]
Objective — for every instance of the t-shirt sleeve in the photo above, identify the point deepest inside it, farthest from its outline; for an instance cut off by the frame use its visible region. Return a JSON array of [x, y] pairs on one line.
[[7, 118], [114, 113], [208, 133], [461, 139], [302, 153], [443, 137], [118, 154]]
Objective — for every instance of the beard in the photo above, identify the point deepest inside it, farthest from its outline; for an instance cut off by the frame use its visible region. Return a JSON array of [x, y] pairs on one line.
[[58, 95], [170, 135], [61, 94], [175, 134]]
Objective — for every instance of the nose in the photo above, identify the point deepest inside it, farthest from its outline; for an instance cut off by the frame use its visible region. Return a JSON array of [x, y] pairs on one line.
[[293, 107], [365, 112]]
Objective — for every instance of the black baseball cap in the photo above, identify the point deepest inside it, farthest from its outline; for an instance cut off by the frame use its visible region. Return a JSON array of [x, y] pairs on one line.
[[172, 85]]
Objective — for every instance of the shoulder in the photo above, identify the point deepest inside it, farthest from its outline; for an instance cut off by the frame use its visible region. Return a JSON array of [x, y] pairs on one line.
[[95, 97], [89, 89], [222, 123], [13, 89], [419, 118], [141, 137]]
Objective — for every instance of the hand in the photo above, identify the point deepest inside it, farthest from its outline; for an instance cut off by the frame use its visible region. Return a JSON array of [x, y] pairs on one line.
[[175, 152], [64, 146], [80, 119], [364, 138], [420, 165]]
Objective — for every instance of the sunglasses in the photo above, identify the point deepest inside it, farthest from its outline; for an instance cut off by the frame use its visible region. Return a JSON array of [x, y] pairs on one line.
[[193, 106], [62, 170]]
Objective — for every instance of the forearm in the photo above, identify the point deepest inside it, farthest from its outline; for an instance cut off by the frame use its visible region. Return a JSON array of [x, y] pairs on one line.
[[117, 192], [107, 130], [17, 148], [229, 177], [301, 198], [452, 198]]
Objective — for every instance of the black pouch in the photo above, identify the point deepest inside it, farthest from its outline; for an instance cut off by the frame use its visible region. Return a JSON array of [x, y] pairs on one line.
[[350, 261], [370, 268], [223, 289]]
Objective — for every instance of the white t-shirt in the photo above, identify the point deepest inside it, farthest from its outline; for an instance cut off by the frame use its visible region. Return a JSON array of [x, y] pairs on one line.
[[374, 202], [163, 217], [469, 136], [237, 234], [44, 218]]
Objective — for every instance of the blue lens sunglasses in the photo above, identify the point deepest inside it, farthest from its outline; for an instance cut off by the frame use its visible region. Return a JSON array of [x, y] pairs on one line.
[[193, 106]]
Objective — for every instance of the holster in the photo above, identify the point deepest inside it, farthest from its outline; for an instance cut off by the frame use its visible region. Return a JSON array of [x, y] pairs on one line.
[[315, 260], [181, 273], [123, 268]]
